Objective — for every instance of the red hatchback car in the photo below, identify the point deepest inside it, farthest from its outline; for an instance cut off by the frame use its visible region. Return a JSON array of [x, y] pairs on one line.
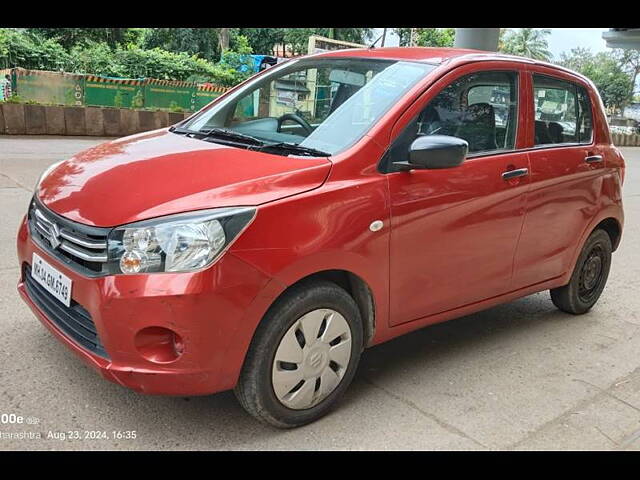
[[325, 205]]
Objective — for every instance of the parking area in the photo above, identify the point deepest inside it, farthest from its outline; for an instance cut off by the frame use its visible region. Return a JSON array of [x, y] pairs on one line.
[[518, 376]]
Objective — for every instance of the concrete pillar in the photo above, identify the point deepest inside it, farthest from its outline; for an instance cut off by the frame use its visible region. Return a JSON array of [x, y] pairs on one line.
[[477, 38]]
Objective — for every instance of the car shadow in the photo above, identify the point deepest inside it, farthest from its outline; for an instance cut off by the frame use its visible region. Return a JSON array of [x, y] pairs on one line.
[[218, 421]]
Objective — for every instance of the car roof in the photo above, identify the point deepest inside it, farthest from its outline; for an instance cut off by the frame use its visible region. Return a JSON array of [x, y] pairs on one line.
[[440, 55], [427, 54]]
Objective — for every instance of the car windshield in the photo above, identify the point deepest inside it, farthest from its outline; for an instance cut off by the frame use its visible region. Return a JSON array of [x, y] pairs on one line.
[[314, 106]]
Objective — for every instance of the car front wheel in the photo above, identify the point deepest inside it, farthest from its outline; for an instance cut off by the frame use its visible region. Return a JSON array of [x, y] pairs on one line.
[[303, 356]]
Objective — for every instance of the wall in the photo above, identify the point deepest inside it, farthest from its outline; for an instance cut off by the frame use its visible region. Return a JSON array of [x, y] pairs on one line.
[[57, 88], [23, 119]]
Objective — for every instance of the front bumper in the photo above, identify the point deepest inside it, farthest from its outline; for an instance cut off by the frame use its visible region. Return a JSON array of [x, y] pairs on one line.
[[211, 311]]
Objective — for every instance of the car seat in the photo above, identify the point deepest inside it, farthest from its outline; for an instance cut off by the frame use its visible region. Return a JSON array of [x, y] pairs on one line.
[[478, 127], [542, 133], [555, 132]]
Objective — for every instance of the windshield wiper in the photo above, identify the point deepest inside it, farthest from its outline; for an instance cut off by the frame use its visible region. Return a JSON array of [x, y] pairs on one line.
[[257, 144], [180, 130], [295, 148], [217, 132], [225, 133]]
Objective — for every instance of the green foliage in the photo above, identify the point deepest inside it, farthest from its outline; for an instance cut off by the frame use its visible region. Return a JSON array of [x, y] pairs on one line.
[[630, 62], [436, 37], [237, 64], [174, 107], [69, 37], [428, 37], [136, 62], [15, 98], [261, 40], [27, 49], [30, 51], [298, 38], [606, 70], [94, 58], [190, 54], [201, 41], [526, 42]]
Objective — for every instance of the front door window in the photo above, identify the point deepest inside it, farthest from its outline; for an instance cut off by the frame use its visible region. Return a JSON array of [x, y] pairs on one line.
[[480, 108]]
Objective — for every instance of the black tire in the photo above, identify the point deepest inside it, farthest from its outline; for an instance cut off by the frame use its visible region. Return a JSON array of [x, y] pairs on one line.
[[255, 390], [589, 276]]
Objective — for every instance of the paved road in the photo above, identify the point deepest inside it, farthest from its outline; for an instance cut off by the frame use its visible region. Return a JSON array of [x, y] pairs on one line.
[[517, 376]]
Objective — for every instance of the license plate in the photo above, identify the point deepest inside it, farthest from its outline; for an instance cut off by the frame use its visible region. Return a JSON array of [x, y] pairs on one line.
[[52, 280]]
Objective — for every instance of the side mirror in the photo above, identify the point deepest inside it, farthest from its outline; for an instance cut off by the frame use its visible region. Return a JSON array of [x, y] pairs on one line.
[[435, 151]]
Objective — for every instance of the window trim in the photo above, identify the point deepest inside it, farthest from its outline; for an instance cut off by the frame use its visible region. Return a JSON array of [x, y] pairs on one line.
[[382, 166], [532, 119]]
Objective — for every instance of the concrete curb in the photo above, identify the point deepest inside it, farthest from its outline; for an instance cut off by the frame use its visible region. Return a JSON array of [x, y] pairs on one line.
[[54, 117], [21, 119], [94, 121], [34, 120], [623, 140], [13, 119]]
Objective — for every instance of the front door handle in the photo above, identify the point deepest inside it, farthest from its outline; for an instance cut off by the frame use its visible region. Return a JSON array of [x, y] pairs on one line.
[[520, 172], [593, 159]]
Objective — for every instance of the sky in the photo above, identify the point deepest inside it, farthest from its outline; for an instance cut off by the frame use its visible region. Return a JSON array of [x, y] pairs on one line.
[[564, 39], [560, 39]]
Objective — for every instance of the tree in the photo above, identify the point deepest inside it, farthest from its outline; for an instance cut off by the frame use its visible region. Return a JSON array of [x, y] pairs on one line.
[[605, 70], [355, 35], [436, 37], [527, 42], [578, 59], [30, 50], [501, 34], [69, 37], [193, 41], [630, 62], [223, 39], [427, 37], [298, 38], [261, 40]]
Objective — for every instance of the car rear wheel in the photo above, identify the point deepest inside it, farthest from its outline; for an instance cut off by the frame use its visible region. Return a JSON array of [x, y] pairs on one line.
[[589, 276], [303, 356]]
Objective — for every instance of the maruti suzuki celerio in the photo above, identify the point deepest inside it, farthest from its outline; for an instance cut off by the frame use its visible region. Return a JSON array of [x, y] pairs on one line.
[[325, 205]]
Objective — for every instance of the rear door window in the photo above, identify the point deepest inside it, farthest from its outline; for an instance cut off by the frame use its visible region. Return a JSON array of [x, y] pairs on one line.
[[562, 112]]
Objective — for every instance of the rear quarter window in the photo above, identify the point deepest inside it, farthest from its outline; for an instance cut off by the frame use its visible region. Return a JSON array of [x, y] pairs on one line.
[[562, 112]]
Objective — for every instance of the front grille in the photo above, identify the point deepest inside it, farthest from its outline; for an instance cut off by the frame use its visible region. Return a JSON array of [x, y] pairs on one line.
[[74, 321], [83, 248]]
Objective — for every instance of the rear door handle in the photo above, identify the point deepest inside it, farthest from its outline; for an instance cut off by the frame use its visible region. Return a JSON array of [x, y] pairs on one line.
[[593, 159], [520, 172]]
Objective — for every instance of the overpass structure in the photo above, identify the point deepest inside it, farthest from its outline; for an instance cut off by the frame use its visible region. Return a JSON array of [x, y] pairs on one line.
[[628, 38], [487, 38]]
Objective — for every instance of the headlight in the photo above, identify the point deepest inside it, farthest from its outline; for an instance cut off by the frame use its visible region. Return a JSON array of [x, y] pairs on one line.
[[176, 243]]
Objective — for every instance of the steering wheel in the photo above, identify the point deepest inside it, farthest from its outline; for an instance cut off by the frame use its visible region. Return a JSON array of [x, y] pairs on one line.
[[294, 117]]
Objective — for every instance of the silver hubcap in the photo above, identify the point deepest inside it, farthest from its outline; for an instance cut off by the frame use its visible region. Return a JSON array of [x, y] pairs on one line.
[[311, 359]]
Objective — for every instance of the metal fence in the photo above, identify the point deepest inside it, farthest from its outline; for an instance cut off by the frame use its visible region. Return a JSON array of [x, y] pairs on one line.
[[58, 88]]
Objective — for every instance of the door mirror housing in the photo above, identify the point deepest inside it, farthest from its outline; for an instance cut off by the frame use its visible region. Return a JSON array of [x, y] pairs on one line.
[[435, 151]]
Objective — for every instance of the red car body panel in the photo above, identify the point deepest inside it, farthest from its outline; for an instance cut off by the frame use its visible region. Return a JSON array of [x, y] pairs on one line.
[[196, 175], [454, 241]]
